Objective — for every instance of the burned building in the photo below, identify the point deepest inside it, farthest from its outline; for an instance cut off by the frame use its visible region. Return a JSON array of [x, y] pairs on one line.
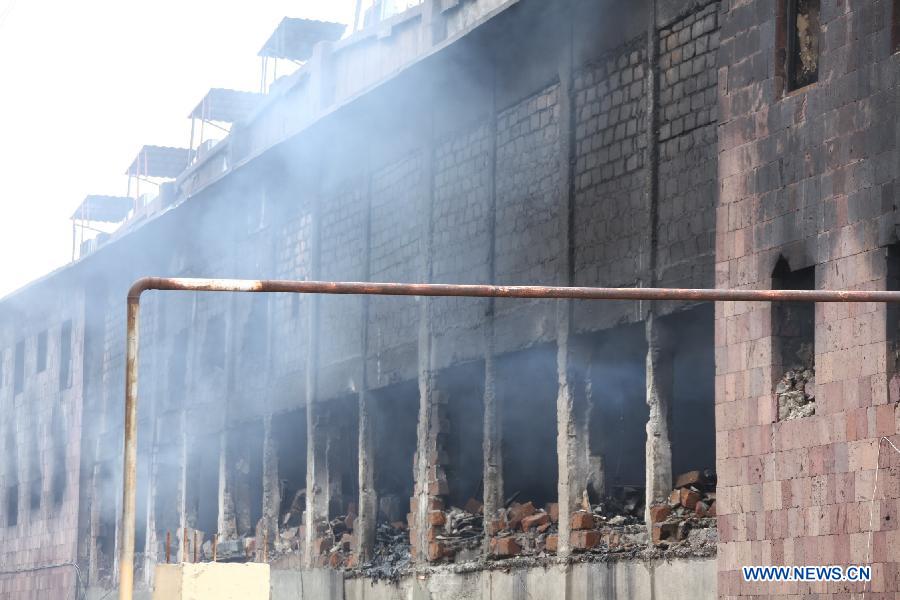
[[477, 447]]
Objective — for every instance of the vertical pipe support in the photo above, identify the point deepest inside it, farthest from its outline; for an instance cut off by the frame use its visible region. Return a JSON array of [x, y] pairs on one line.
[[129, 493]]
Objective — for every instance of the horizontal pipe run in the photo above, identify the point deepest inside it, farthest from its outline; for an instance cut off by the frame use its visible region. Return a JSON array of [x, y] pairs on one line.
[[503, 291], [126, 552]]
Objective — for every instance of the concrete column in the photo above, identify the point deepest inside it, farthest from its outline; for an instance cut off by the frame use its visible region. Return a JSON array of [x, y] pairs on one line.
[[659, 400], [316, 517], [151, 544], [94, 520], [492, 455], [271, 488], [569, 443], [430, 479], [572, 431], [364, 527], [316, 514], [227, 521], [187, 516], [368, 499], [492, 438]]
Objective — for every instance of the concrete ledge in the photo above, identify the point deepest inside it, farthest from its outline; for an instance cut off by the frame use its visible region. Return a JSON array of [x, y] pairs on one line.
[[212, 581], [680, 579]]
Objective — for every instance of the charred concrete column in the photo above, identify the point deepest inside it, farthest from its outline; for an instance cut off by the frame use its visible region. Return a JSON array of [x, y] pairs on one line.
[[571, 432], [271, 489], [226, 524], [430, 479], [187, 516], [151, 544], [492, 440], [227, 520], [364, 527], [491, 436], [660, 378], [94, 520], [316, 516]]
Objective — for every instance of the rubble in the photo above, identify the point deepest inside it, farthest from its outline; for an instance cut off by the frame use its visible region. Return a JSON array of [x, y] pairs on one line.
[[524, 530], [391, 555], [691, 506], [457, 532], [796, 393]]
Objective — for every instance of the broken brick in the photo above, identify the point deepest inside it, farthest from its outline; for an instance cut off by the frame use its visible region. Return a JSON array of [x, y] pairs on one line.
[[552, 542], [505, 546], [581, 520], [553, 511], [517, 512], [497, 525], [535, 521], [584, 540], [689, 498], [438, 488], [663, 532], [611, 537], [691, 478], [675, 497], [346, 542], [349, 520], [435, 551], [701, 508], [659, 513], [711, 512], [473, 507], [436, 518], [543, 528], [335, 560], [321, 545], [435, 504]]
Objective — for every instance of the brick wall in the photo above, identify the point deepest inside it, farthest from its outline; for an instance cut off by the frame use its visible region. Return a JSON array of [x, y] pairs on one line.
[[809, 176], [41, 452]]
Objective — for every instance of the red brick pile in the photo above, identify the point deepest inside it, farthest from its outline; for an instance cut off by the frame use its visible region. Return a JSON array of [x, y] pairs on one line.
[[523, 529], [455, 531], [593, 531], [691, 505], [335, 543]]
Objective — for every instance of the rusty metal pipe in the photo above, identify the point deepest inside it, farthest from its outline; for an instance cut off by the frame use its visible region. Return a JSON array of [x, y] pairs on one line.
[[126, 554]]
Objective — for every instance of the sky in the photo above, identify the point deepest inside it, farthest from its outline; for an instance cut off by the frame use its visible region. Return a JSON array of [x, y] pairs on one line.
[[83, 85]]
